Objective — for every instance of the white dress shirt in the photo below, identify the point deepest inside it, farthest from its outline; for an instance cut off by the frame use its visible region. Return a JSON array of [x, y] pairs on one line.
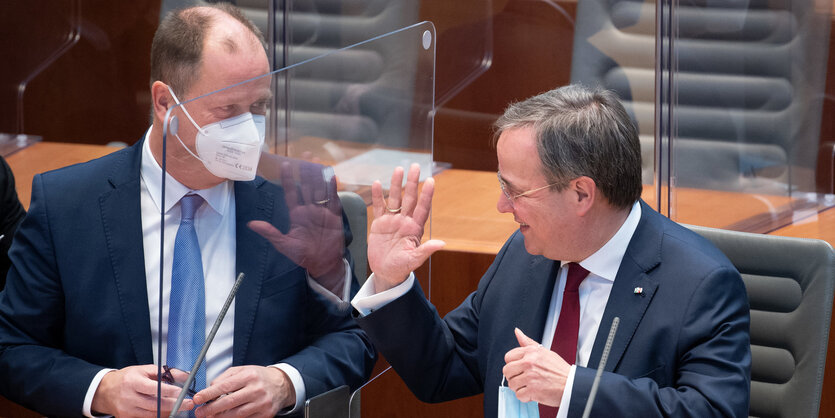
[[215, 225], [594, 292]]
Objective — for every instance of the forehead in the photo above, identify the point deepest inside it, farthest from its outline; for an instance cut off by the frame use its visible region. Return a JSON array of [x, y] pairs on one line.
[[518, 157], [245, 93], [242, 68]]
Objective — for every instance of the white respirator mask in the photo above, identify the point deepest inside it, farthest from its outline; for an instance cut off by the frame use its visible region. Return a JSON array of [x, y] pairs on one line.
[[230, 148]]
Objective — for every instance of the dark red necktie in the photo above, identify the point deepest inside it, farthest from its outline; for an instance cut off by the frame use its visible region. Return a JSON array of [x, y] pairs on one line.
[[568, 326]]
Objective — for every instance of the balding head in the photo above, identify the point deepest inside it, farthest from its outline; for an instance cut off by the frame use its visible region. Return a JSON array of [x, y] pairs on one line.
[[178, 46]]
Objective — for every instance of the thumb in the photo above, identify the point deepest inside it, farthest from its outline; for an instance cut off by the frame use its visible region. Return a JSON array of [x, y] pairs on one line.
[[524, 340], [429, 247], [265, 229]]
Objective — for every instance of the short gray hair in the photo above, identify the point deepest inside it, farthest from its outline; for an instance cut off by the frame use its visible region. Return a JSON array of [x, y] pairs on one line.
[[582, 132]]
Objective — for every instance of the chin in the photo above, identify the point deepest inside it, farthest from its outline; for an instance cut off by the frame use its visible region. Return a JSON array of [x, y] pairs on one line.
[[531, 249]]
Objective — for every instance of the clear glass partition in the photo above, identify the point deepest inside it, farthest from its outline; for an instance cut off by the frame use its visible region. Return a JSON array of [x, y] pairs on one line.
[[615, 47], [332, 125], [748, 82], [57, 28]]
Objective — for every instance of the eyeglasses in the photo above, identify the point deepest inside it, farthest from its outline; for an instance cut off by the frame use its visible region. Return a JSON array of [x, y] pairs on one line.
[[512, 198]]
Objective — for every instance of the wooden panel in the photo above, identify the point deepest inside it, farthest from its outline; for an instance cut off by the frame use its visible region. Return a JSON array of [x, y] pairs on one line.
[[518, 68], [98, 90], [454, 276], [9, 409]]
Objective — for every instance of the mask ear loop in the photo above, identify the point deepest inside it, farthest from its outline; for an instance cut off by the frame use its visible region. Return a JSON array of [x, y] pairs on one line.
[[176, 134]]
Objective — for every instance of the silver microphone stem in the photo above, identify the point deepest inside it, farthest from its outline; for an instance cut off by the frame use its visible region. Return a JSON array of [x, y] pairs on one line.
[[206, 344], [603, 358]]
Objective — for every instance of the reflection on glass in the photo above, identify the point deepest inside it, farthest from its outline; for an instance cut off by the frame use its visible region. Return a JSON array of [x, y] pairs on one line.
[[747, 111], [329, 127], [743, 113], [614, 47], [57, 28]]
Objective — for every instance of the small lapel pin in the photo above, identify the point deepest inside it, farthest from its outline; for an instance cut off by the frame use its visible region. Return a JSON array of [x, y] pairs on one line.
[[638, 290]]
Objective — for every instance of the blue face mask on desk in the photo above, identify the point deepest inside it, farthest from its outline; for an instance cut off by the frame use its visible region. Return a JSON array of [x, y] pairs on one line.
[[511, 407]]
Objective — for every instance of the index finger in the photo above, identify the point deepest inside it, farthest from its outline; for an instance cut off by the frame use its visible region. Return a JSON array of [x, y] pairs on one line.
[[515, 354], [147, 383], [377, 199], [332, 193], [211, 393], [222, 385]]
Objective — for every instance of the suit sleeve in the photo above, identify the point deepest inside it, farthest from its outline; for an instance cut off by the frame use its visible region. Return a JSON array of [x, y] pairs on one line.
[[33, 372], [437, 358], [711, 378], [338, 352]]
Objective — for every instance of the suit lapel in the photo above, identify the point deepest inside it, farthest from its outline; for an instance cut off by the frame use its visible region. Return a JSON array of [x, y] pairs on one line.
[[122, 222], [251, 258], [632, 290], [532, 312]]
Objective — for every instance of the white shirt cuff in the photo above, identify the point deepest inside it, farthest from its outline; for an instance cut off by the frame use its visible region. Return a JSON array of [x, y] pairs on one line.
[[566, 393], [366, 301], [322, 290], [91, 392], [298, 385]]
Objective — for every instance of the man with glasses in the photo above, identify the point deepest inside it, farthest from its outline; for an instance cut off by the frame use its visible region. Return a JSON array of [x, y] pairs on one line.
[[587, 250], [81, 323]]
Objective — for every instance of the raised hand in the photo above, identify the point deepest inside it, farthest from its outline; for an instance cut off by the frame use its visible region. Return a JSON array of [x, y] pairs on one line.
[[394, 243], [316, 238]]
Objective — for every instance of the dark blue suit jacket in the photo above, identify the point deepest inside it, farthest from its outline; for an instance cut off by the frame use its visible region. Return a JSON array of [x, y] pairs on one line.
[[76, 298], [682, 347]]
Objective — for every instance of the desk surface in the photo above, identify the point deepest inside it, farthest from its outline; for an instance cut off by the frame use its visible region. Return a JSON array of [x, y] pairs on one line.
[[464, 212], [465, 216], [464, 208]]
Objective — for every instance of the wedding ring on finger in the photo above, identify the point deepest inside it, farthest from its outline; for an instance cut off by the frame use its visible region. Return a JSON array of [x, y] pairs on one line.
[[322, 202], [393, 210]]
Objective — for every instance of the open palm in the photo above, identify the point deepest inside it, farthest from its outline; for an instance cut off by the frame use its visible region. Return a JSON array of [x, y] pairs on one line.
[[394, 243], [316, 237]]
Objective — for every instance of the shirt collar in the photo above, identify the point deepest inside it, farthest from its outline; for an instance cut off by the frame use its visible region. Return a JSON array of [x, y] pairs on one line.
[[605, 262], [151, 172]]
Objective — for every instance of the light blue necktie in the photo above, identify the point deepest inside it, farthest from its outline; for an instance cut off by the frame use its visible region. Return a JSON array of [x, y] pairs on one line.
[[187, 306]]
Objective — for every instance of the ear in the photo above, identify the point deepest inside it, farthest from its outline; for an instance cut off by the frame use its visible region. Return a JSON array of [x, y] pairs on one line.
[[585, 193], [162, 99]]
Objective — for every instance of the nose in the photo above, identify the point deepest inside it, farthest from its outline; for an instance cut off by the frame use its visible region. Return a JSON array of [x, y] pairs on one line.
[[504, 205]]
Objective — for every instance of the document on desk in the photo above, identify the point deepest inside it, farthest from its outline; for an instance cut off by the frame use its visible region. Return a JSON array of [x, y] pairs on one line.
[[378, 164]]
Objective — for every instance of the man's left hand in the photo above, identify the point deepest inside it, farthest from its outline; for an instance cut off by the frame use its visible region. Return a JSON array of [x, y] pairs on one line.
[[316, 238], [534, 372], [253, 391]]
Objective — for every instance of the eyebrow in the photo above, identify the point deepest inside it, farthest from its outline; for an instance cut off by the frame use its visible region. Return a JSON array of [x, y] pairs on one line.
[[508, 183]]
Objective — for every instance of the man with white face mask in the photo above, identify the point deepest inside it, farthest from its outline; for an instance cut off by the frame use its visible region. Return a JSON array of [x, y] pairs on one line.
[[229, 148], [80, 319]]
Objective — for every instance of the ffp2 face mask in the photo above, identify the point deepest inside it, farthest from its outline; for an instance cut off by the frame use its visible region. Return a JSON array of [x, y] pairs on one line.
[[230, 148]]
